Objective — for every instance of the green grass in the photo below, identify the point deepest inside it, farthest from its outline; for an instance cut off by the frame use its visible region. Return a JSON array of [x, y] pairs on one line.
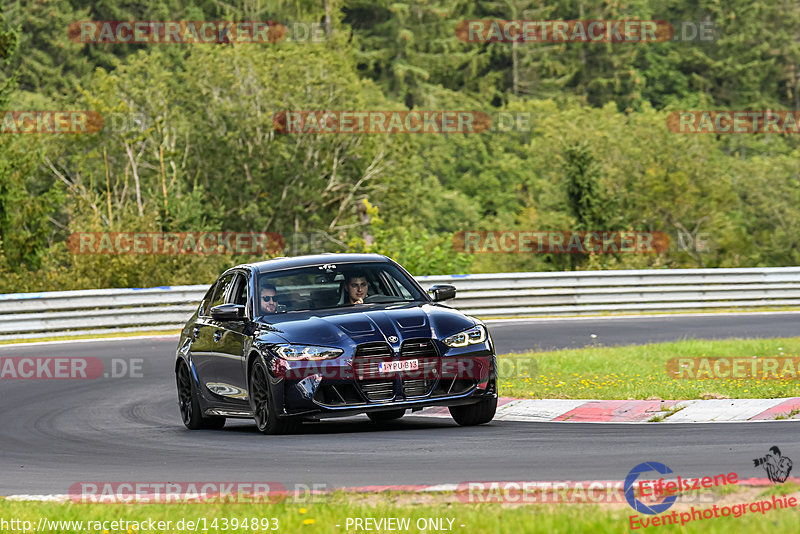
[[667, 412], [780, 489], [323, 517], [640, 372]]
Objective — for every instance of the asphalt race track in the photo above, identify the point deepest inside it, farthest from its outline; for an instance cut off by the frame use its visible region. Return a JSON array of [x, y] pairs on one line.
[[55, 433]]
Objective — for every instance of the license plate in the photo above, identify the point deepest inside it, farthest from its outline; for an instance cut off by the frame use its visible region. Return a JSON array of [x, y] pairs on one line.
[[401, 365]]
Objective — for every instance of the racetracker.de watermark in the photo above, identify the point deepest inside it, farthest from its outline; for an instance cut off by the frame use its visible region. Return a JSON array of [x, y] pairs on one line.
[[381, 122], [176, 31], [461, 368], [68, 368], [235, 492], [558, 242], [50, 122], [756, 368], [175, 243], [588, 492], [583, 31], [734, 122]]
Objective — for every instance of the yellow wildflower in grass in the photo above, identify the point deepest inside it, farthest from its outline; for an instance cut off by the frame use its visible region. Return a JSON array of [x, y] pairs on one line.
[[309, 521]]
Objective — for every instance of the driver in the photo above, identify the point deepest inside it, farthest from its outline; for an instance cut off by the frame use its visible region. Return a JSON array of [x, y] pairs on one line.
[[355, 286], [269, 298]]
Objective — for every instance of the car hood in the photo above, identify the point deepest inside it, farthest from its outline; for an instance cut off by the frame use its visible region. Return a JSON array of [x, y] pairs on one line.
[[363, 324]]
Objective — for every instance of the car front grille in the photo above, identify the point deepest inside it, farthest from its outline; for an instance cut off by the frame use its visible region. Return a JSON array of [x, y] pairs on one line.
[[416, 388], [365, 363], [378, 390], [368, 357], [417, 383]]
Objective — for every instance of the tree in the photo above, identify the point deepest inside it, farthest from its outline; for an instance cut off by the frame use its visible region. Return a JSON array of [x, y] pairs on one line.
[[583, 189]]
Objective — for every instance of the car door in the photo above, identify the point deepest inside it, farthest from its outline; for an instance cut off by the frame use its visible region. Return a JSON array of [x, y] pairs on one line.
[[228, 338], [204, 347]]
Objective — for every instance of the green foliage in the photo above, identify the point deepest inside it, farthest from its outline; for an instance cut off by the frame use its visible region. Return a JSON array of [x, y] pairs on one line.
[[414, 248], [583, 188], [190, 145], [9, 42], [418, 251], [25, 204]]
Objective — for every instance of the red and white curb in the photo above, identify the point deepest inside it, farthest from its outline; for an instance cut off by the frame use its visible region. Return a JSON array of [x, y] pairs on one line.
[[639, 411]]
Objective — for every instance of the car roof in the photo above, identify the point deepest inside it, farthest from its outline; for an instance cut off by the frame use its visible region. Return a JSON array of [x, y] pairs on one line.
[[277, 264]]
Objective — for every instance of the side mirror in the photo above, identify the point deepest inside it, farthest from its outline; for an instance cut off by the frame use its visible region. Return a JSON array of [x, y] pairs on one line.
[[228, 312], [442, 292]]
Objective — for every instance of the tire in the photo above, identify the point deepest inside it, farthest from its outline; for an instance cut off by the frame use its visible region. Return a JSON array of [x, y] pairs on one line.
[[475, 414], [382, 417], [188, 404], [264, 413]]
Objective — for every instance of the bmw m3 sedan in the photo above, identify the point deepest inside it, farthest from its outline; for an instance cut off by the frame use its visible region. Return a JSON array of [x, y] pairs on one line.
[[303, 338]]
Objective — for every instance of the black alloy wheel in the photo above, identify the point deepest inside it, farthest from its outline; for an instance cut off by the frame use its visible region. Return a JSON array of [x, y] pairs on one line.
[[190, 406], [267, 419]]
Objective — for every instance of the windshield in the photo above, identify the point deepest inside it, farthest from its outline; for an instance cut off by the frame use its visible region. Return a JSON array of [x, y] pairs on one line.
[[334, 285]]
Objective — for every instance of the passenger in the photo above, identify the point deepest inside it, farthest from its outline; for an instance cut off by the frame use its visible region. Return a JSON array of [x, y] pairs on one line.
[[355, 285], [269, 299]]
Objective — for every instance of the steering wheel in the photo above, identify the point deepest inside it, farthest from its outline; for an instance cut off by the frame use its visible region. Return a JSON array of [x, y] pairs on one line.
[[371, 299]]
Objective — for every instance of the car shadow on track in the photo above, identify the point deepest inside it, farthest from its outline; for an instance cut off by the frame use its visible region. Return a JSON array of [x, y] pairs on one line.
[[352, 425]]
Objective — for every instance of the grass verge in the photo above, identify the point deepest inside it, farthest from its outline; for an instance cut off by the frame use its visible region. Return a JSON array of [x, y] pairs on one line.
[[332, 516], [640, 371]]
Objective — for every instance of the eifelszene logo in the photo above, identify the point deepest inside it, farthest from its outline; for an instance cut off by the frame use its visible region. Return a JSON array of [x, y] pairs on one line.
[[630, 487], [777, 467], [669, 488]]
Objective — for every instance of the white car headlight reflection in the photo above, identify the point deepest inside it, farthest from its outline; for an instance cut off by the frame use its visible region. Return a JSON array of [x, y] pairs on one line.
[[305, 352], [471, 336]]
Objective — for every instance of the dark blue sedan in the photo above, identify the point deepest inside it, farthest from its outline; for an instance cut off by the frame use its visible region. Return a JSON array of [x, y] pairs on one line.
[[304, 338]]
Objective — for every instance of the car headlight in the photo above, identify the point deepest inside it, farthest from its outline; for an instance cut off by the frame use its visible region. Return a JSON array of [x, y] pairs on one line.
[[305, 352], [471, 336]]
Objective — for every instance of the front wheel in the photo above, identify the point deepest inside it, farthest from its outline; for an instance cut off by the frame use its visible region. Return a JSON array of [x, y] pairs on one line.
[[261, 403], [190, 406], [475, 414]]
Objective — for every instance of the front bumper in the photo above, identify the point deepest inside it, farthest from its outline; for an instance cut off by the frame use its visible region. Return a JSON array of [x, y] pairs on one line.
[[316, 390], [347, 411]]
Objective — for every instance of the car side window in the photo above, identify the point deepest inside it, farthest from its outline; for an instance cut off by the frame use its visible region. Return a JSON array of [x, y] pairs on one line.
[[220, 290], [239, 293], [203, 310]]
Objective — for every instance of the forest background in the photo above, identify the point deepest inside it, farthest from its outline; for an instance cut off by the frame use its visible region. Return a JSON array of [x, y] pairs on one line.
[[188, 143]]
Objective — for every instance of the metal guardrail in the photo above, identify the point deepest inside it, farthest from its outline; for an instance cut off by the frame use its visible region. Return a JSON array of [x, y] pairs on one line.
[[96, 311], [48, 314], [592, 292]]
